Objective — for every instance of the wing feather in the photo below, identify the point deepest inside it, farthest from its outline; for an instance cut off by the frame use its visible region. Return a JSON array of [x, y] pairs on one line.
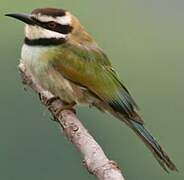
[[92, 69]]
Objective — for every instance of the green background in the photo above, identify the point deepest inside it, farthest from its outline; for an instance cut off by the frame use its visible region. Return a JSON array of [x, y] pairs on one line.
[[145, 41]]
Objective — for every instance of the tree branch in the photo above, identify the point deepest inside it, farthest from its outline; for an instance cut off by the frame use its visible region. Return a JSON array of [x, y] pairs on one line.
[[95, 160]]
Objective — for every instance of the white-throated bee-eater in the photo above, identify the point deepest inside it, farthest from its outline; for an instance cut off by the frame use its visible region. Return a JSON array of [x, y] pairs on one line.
[[65, 60]]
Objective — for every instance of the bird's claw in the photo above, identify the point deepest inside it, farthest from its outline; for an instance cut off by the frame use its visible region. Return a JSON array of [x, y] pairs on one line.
[[66, 107], [51, 100], [47, 102]]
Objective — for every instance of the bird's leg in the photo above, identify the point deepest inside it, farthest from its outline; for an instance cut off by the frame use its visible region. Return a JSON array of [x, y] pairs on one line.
[[51, 100], [66, 106], [40, 97], [48, 102]]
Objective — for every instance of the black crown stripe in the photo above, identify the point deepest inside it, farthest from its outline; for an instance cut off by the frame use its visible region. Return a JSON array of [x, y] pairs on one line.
[[50, 12]]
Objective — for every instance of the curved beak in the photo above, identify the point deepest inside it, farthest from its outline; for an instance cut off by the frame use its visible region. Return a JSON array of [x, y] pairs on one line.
[[26, 18]]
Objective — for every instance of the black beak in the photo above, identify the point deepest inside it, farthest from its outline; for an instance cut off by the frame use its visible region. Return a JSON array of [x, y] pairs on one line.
[[26, 18]]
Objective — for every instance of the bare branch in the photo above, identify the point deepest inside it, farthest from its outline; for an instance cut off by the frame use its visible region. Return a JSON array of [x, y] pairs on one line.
[[95, 160]]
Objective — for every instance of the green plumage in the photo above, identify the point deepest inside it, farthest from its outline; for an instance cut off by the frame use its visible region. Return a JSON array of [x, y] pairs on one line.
[[66, 61], [90, 68]]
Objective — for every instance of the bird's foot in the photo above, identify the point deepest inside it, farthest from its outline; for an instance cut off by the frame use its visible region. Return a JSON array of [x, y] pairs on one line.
[[51, 100], [66, 106], [48, 102]]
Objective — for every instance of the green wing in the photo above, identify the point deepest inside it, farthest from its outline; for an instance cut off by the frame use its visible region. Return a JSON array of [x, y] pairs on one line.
[[91, 68]]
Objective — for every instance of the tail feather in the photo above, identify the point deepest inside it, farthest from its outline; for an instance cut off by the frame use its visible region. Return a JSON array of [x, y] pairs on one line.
[[136, 124], [162, 158]]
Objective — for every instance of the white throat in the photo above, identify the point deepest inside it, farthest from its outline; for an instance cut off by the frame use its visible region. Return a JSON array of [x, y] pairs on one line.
[[37, 32]]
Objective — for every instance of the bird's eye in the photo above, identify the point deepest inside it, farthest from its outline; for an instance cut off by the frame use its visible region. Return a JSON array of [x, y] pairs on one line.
[[52, 25]]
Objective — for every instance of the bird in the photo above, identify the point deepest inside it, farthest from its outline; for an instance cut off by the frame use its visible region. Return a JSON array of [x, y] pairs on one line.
[[65, 60]]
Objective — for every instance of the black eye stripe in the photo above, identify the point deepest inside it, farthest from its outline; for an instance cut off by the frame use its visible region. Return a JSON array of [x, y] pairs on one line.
[[63, 29], [52, 24]]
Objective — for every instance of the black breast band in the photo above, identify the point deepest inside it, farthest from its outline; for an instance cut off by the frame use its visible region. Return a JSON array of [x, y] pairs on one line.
[[44, 41]]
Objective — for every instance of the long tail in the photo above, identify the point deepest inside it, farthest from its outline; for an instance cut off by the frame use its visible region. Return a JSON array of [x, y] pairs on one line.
[[136, 124], [153, 145]]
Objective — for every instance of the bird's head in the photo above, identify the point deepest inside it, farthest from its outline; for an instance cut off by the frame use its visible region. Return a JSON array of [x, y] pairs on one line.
[[49, 23]]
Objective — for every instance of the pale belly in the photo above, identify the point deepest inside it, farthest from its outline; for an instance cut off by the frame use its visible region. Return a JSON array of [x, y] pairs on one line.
[[52, 80]]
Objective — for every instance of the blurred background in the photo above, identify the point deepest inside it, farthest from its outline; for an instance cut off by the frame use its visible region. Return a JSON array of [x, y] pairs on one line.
[[145, 41]]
